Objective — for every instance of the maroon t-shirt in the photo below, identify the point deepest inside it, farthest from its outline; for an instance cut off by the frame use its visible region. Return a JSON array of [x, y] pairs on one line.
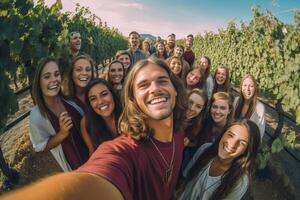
[[189, 56], [136, 168], [73, 145]]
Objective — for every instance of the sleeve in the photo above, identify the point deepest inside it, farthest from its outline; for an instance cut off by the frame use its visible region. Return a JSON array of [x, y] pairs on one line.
[[209, 86], [239, 190], [198, 153], [39, 133], [114, 162], [261, 121]]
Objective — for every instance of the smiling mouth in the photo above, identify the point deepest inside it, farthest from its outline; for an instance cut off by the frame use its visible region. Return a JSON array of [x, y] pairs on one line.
[[228, 150], [53, 87], [103, 107], [83, 79], [157, 100]]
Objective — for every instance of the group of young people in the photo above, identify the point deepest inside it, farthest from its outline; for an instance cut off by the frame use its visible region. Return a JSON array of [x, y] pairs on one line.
[[177, 132]]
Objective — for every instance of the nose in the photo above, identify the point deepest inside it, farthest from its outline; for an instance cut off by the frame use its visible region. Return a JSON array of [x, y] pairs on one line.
[[154, 87], [233, 143]]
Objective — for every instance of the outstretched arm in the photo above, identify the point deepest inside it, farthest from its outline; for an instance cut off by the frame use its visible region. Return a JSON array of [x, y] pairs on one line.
[[72, 185]]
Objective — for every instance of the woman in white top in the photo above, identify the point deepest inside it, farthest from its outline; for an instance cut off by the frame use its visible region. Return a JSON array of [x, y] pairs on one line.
[[54, 121], [205, 65], [222, 170], [247, 104]]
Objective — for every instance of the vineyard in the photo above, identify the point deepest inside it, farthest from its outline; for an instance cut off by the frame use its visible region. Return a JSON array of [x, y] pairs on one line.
[[31, 31], [265, 47]]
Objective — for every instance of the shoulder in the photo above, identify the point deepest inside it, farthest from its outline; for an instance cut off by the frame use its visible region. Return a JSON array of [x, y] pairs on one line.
[[35, 115], [260, 109], [74, 105]]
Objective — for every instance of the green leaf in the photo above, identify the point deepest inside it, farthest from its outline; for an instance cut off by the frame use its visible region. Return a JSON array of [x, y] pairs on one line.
[[277, 146]]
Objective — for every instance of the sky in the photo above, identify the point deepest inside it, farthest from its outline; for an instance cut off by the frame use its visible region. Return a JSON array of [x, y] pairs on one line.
[[182, 17]]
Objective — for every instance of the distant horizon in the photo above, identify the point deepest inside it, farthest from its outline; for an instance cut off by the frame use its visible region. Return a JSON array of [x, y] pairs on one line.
[[160, 18]]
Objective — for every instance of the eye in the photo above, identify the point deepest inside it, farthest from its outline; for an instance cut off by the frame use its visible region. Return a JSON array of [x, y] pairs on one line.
[[92, 99], [103, 94], [57, 73]]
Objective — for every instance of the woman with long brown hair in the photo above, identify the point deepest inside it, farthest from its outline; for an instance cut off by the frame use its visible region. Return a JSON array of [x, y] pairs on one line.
[[115, 75], [218, 117], [80, 74], [221, 80], [195, 79], [103, 111], [247, 104], [223, 170], [55, 121], [206, 65], [161, 51]]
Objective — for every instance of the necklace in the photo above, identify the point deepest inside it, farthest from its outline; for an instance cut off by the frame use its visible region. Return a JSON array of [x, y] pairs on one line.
[[169, 169]]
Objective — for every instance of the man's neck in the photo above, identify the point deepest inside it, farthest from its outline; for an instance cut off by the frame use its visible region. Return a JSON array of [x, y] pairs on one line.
[[75, 53], [163, 129], [134, 48]]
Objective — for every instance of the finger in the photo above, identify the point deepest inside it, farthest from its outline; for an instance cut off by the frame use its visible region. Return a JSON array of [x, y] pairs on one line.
[[63, 114]]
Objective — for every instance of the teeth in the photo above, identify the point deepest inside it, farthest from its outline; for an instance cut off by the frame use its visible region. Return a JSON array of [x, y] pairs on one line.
[[53, 87], [103, 107], [83, 79], [158, 100], [228, 150]]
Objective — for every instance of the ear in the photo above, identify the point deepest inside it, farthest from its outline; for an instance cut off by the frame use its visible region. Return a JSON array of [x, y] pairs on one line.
[[175, 93]]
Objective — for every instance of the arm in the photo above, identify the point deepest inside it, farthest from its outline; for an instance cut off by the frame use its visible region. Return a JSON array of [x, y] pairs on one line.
[[86, 137], [68, 186]]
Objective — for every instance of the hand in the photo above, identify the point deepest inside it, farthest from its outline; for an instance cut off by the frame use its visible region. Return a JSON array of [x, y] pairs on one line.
[[186, 141], [65, 123]]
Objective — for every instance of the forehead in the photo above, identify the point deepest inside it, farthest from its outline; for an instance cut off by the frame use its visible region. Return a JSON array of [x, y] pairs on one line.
[[116, 65], [82, 61], [240, 131], [123, 56], [221, 102], [134, 35], [50, 67], [98, 88], [248, 81], [203, 59], [150, 72], [197, 97], [74, 35]]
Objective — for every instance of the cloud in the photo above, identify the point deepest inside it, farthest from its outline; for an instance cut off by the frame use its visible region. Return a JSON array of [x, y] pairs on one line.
[[129, 15], [132, 5]]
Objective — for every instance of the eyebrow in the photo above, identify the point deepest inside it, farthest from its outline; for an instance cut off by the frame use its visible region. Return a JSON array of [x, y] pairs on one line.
[[237, 134]]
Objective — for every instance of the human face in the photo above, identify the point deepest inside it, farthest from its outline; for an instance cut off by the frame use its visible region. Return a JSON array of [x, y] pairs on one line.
[[233, 143], [134, 40], [125, 60], [188, 44], [76, 42], [146, 46], [176, 66], [196, 104], [154, 92], [116, 73], [221, 76], [82, 73], [171, 42], [190, 38], [248, 88], [204, 63], [160, 48], [193, 78], [50, 80], [101, 100], [178, 52], [219, 111]]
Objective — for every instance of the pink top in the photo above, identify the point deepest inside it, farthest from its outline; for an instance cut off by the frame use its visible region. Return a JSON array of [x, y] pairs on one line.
[[136, 168]]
